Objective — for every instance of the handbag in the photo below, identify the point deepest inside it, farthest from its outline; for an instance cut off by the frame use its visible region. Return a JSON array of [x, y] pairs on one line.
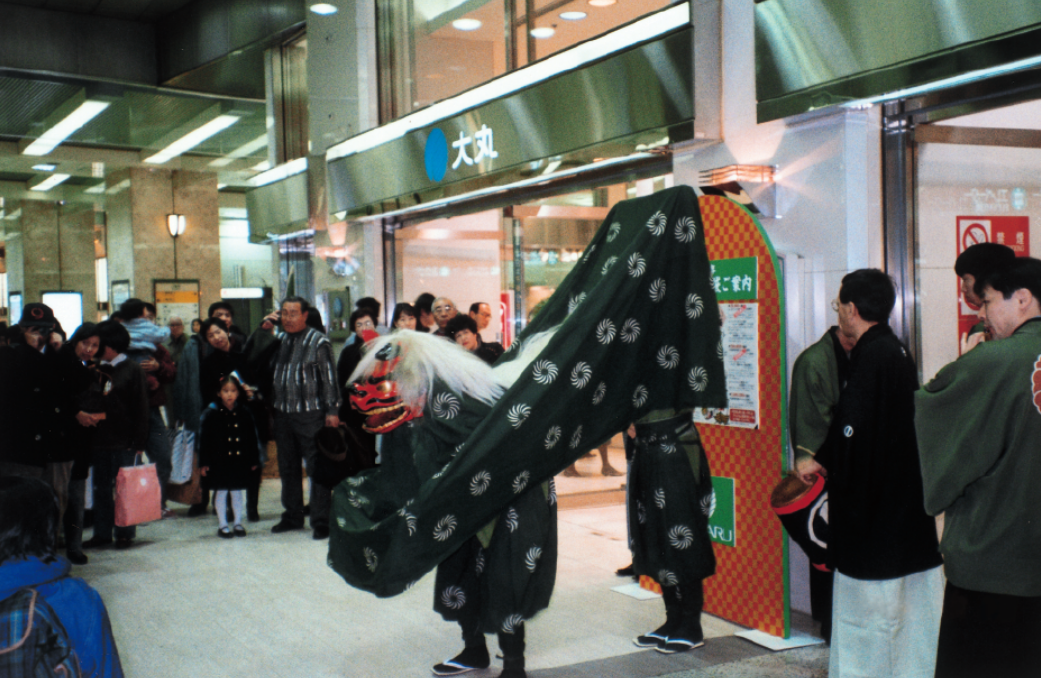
[[340, 455], [181, 456], [189, 493], [138, 499]]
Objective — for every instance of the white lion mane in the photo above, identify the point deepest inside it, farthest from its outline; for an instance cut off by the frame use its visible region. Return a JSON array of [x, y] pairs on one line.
[[426, 358]]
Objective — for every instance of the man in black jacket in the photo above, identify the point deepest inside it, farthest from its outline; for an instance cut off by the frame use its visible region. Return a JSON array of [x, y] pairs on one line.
[[888, 584], [30, 397]]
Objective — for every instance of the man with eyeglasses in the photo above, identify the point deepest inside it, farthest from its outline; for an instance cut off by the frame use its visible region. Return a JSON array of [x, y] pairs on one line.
[[979, 431], [444, 310], [882, 547]]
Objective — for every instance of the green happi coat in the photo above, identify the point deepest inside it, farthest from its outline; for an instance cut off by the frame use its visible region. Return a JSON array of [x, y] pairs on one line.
[[817, 379], [979, 437], [637, 331]]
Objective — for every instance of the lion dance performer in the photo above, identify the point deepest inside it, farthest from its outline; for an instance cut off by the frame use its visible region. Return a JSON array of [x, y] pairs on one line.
[[469, 452]]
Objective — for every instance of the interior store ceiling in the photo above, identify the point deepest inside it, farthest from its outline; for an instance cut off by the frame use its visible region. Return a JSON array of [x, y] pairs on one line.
[[139, 121]]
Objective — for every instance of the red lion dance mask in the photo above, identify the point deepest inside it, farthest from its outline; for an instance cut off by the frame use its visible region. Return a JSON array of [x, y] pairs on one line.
[[378, 398]]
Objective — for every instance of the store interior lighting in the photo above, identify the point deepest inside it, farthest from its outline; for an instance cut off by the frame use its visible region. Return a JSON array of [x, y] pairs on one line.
[[323, 8], [466, 24], [50, 182], [193, 139], [573, 16], [45, 167], [589, 51], [542, 32], [753, 186], [83, 112], [759, 174], [601, 3]]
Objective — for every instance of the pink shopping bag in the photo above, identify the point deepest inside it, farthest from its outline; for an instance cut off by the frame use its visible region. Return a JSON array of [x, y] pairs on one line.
[[138, 499]]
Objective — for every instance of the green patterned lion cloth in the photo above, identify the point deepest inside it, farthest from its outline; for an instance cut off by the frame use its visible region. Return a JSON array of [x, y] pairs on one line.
[[633, 328]]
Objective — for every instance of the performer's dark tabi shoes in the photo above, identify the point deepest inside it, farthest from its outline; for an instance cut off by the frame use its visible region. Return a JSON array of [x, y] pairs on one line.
[[686, 637], [656, 638], [470, 659], [513, 668]]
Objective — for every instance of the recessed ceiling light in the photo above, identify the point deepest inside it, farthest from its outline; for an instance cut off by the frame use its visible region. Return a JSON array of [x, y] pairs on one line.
[[466, 24], [542, 32], [323, 8], [572, 16], [601, 3], [50, 182], [50, 139], [45, 168], [193, 139]]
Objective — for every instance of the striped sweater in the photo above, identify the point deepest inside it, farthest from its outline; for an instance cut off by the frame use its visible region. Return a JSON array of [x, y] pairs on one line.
[[305, 374]]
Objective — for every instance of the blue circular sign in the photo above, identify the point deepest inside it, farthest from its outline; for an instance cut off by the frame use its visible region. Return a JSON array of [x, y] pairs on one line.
[[436, 155]]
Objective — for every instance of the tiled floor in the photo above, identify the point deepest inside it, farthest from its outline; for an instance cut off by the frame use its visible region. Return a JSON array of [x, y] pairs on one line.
[[186, 603]]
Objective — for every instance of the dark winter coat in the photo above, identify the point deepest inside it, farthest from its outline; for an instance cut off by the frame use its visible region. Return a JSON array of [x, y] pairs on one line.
[[879, 528], [216, 366], [81, 387], [229, 447], [32, 430], [126, 407]]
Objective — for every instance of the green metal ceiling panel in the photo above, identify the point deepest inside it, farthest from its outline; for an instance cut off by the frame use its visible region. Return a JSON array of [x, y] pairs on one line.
[[817, 53]]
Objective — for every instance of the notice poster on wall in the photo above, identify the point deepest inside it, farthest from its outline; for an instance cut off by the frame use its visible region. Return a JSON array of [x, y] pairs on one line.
[[178, 298], [1012, 232], [741, 358]]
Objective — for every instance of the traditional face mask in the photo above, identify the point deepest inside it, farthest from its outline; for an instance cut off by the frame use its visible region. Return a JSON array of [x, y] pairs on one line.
[[377, 397]]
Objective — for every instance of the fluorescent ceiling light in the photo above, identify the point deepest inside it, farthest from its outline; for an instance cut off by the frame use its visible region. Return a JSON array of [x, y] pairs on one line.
[[241, 293], [242, 151], [971, 76], [584, 53], [279, 172], [97, 189], [324, 8], [601, 3], [466, 24], [542, 32], [50, 182], [261, 166], [572, 16], [193, 139], [45, 167], [50, 139]]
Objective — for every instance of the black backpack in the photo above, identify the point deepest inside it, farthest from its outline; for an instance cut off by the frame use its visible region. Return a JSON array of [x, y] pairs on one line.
[[33, 641]]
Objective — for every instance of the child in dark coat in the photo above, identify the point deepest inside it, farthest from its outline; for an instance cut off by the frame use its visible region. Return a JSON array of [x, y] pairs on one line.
[[229, 453]]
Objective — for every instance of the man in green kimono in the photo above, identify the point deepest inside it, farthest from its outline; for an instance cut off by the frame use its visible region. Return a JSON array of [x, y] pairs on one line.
[[818, 376], [979, 434]]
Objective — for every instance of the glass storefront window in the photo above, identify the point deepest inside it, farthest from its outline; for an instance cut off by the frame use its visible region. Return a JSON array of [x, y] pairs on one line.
[[433, 49], [967, 194], [472, 258]]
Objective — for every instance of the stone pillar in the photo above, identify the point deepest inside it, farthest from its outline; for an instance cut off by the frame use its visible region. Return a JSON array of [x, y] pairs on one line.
[[140, 248], [52, 251]]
